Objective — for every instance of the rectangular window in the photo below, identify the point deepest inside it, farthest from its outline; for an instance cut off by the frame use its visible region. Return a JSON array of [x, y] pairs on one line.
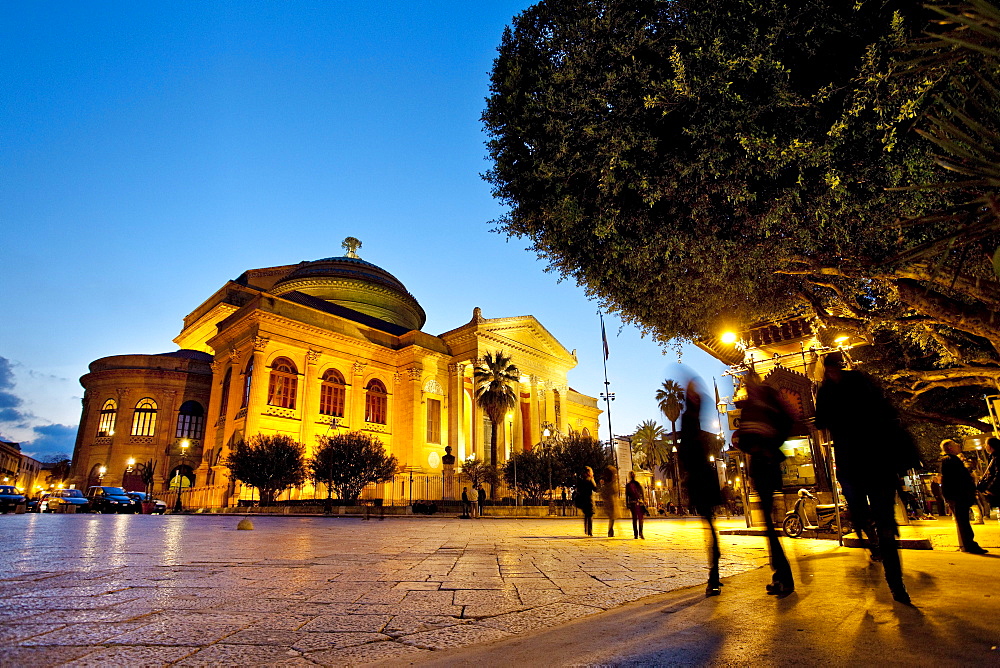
[[331, 400], [281, 391], [375, 405], [190, 426], [797, 470], [107, 426], [433, 421]]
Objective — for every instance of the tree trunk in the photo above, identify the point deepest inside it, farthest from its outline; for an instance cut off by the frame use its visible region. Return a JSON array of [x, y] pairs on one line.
[[493, 457]]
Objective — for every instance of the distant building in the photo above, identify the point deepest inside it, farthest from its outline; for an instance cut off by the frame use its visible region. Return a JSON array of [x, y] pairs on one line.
[[307, 350], [10, 462]]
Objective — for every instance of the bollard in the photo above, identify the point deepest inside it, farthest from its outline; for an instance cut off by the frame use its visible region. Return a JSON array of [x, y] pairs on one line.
[[245, 525]]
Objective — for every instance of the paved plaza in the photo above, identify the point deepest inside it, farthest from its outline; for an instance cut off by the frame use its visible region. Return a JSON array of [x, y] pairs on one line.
[[192, 590]]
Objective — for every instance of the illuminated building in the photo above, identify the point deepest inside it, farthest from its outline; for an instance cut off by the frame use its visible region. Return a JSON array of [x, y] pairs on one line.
[[306, 350]]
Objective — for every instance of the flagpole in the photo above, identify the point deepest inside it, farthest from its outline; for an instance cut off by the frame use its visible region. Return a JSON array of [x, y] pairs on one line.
[[607, 395]]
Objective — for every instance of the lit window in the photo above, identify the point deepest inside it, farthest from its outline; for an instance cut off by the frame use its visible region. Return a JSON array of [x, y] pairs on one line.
[[109, 413], [224, 394], [144, 418], [433, 420], [332, 393], [375, 402], [281, 387], [190, 420], [247, 380]]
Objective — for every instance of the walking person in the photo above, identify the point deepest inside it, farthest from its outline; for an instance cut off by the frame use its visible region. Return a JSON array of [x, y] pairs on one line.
[[765, 424], [989, 484], [466, 504], [609, 497], [942, 506], [871, 449], [700, 478], [481, 499], [960, 491], [583, 498], [633, 499]]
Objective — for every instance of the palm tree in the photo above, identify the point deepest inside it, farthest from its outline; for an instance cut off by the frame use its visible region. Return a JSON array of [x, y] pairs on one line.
[[494, 380], [670, 398], [648, 442]]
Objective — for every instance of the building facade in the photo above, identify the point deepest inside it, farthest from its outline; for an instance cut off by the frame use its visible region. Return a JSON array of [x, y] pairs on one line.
[[308, 350]]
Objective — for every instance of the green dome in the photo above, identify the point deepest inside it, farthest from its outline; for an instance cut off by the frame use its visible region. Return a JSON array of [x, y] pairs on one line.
[[358, 285]]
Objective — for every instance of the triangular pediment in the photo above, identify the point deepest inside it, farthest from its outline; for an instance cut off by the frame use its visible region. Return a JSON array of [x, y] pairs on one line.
[[519, 334]]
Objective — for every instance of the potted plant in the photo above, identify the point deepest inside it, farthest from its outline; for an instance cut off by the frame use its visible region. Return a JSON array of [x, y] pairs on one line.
[[147, 471]]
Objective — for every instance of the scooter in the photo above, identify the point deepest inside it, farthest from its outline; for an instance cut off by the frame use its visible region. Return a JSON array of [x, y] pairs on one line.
[[797, 520]]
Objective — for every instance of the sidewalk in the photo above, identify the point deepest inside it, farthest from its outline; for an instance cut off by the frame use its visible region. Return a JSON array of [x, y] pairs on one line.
[[841, 614]]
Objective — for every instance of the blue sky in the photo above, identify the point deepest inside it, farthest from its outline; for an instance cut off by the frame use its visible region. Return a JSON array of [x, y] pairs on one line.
[[152, 151]]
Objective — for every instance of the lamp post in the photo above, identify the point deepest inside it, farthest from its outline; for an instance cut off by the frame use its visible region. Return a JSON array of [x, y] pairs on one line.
[[100, 474], [180, 475]]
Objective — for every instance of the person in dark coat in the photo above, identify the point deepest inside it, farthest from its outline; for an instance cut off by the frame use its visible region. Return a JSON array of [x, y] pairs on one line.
[[466, 503], [700, 477], [959, 490], [584, 499], [633, 499], [765, 424], [870, 448], [942, 506], [481, 499]]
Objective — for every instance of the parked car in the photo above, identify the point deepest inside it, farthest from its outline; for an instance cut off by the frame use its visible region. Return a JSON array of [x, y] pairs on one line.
[[51, 501], [111, 500], [159, 507], [10, 498]]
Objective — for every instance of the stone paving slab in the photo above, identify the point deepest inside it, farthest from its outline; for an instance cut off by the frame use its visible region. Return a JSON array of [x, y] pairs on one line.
[[309, 591]]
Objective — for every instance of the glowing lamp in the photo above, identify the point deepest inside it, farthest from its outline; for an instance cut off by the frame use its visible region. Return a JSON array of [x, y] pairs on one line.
[[728, 338]]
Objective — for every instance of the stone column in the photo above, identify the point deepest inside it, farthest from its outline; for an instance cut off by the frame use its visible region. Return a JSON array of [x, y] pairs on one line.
[[309, 404], [456, 405], [536, 418], [258, 385], [356, 414]]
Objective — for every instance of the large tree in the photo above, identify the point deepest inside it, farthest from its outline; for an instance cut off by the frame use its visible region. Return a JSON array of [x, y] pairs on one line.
[[648, 444], [704, 166], [270, 463], [494, 377], [347, 462]]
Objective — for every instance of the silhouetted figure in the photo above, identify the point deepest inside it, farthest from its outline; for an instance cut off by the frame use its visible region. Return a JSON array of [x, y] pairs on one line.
[[942, 506], [989, 484], [466, 504], [583, 498], [765, 424], [871, 449], [481, 499], [633, 499], [700, 478], [959, 489], [609, 497]]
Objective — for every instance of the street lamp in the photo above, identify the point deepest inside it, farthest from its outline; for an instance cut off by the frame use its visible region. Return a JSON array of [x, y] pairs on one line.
[[100, 474], [180, 475]]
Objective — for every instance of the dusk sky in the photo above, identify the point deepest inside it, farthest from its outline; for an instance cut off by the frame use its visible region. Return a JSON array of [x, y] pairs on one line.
[[152, 151]]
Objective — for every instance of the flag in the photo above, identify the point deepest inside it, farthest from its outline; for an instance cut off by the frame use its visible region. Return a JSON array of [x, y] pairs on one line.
[[716, 385], [604, 338]]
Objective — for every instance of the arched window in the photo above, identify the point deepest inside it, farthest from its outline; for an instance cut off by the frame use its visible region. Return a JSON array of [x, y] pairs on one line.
[[191, 420], [109, 413], [332, 392], [586, 432], [376, 402], [224, 394], [144, 418], [247, 379], [281, 387]]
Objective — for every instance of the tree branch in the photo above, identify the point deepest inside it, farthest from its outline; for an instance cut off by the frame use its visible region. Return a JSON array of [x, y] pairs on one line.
[[940, 418]]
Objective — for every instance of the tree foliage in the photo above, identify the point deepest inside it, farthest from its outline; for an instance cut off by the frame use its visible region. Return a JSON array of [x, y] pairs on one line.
[[707, 166], [494, 378], [529, 472], [670, 399], [573, 453], [347, 462], [271, 464], [480, 473], [648, 446]]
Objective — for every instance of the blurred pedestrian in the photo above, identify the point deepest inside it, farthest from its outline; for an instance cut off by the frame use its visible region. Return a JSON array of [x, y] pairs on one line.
[[700, 477], [609, 497], [765, 424], [989, 484], [634, 501], [583, 498], [871, 448], [942, 506], [960, 491]]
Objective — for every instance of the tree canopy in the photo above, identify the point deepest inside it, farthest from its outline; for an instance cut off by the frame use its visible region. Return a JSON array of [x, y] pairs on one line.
[[270, 463], [348, 461], [707, 166]]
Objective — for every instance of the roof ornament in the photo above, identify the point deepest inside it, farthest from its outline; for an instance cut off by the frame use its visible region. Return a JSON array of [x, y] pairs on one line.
[[351, 245], [477, 315]]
